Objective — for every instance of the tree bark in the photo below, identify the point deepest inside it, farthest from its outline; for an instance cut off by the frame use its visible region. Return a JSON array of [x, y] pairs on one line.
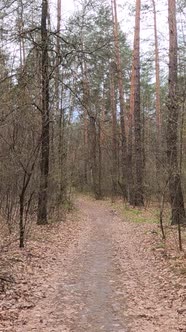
[[93, 158], [99, 190], [114, 131], [44, 165], [175, 189], [157, 67], [158, 106], [21, 222], [85, 125], [130, 155], [136, 113], [121, 100]]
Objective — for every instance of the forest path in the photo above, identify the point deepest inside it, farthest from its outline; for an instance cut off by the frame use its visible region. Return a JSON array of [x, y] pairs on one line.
[[105, 281], [85, 294]]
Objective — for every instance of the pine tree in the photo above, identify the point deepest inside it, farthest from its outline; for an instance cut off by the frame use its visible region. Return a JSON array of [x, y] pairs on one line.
[[175, 189]]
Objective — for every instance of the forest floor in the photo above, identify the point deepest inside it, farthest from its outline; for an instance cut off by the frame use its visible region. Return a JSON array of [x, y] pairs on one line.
[[100, 270]]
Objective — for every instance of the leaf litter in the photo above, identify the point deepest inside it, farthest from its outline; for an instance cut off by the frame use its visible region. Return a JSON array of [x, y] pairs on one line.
[[93, 272]]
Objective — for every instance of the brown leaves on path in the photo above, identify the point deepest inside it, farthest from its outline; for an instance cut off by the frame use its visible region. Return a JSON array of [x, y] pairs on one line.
[[153, 275], [30, 270], [94, 272]]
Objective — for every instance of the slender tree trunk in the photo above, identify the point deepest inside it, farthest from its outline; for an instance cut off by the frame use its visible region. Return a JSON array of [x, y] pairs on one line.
[[59, 108], [57, 62], [130, 162], [99, 159], [85, 138], [157, 66], [121, 100], [44, 166], [58, 96], [85, 119], [92, 135], [114, 131], [69, 136], [62, 153], [158, 105], [26, 180], [93, 158], [21, 218], [181, 136], [58, 23], [21, 39], [175, 190], [136, 113], [130, 156]]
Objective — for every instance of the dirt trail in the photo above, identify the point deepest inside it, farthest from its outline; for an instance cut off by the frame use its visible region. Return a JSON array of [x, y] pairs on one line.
[[103, 283], [101, 310], [84, 296]]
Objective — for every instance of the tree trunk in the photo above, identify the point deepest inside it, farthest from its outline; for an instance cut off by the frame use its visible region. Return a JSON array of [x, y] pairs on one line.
[[21, 39], [121, 100], [21, 217], [114, 131], [130, 155], [99, 190], [85, 125], [59, 107], [175, 190], [93, 159], [136, 113], [85, 139], [158, 106], [44, 166], [62, 154], [157, 66], [130, 161]]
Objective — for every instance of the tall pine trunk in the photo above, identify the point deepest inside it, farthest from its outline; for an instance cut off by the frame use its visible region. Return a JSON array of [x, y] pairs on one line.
[[93, 154], [136, 113], [158, 105], [86, 107], [157, 68], [130, 155], [44, 165], [175, 190], [99, 143], [60, 112], [114, 131], [121, 100]]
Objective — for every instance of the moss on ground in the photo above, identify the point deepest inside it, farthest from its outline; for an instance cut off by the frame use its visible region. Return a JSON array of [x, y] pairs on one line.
[[138, 215]]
